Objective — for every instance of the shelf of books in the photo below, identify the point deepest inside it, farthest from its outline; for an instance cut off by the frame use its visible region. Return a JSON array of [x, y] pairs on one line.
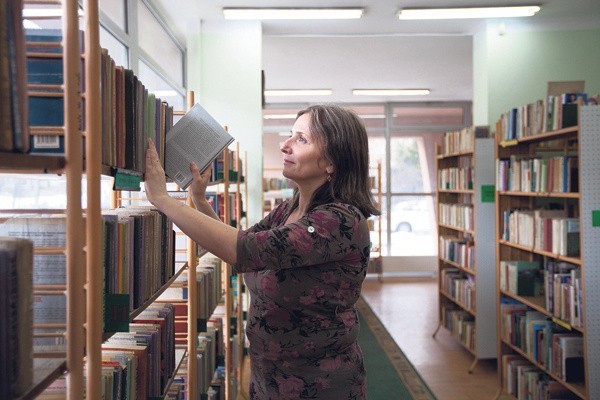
[[548, 236], [40, 254], [466, 270], [81, 283], [376, 259]]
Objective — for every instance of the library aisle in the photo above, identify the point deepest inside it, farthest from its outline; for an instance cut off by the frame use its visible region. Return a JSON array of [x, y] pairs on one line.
[[408, 309]]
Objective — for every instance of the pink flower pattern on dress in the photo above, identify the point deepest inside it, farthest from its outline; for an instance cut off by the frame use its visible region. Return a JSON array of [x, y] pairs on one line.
[[302, 324]]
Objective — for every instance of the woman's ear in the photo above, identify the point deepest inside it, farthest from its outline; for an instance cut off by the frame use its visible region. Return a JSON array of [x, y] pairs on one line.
[[330, 170]]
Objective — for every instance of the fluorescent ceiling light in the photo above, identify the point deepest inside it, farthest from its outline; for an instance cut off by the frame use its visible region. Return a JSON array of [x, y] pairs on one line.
[[371, 116], [298, 92], [292, 13], [39, 13], [390, 92], [467, 12]]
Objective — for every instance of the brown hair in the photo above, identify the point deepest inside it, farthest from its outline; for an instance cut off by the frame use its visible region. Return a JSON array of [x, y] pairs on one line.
[[343, 140]]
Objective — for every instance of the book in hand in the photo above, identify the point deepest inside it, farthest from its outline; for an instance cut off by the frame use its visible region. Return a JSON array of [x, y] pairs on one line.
[[195, 137]]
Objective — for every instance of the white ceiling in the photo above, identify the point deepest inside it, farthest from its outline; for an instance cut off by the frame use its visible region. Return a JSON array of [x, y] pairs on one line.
[[377, 51]]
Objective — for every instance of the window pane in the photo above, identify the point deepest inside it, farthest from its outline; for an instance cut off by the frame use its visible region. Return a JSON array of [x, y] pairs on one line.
[[373, 116], [116, 49], [412, 158], [377, 155], [413, 226], [115, 9], [157, 43], [157, 85], [45, 191], [421, 116]]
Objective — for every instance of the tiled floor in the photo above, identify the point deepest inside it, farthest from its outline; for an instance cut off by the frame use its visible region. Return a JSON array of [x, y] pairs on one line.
[[408, 309]]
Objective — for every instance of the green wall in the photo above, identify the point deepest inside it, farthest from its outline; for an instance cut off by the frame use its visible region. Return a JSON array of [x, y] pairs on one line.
[[224, 69], [520, 65]]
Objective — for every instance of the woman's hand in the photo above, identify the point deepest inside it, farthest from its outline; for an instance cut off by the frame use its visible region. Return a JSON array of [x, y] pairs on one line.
[[155, 180], [200, 182]]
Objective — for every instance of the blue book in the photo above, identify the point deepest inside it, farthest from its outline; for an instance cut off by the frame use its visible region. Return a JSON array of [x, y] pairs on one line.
[[44, 71]]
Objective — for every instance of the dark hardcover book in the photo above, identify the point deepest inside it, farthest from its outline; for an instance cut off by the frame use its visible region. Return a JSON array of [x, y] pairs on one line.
[[18, 260], [130, 134], [44, 71], [6, 131], [17, 70], [570, 101]]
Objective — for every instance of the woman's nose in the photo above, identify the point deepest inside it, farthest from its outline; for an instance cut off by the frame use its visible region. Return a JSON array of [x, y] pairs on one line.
[[284, 146]]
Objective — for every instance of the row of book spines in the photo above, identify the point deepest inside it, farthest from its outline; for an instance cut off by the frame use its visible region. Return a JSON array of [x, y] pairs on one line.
[[538, 175], [545, 115], [278, 184], [216, 391], [458, 250], [460, 323], [130, 114], [139, 364], [559, 283], [457, 215], [551, 346], [456, 178], [458, 286], [139, 252], [14, 135], [545, 230], [151, 337], [523, 380], [460, 141], [208, 288]]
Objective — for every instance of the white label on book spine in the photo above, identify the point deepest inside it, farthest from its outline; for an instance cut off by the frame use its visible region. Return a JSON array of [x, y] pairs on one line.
[[46, 142]]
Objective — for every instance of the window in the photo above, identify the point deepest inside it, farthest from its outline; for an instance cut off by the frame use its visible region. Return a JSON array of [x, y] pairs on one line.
[[412, 195], [403, 138], [159, 45], [116, 11], [117, 50], [161, 88]]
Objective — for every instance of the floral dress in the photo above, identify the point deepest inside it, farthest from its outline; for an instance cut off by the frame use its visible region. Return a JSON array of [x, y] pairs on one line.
[[304, 279]]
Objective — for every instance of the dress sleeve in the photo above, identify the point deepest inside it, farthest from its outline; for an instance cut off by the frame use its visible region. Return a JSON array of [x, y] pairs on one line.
[[329, 233]]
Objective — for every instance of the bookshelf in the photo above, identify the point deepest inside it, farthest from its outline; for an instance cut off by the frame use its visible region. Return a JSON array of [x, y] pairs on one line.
[[71, 362], [376, 259], [466, 271], [545, 180], [80, 363]]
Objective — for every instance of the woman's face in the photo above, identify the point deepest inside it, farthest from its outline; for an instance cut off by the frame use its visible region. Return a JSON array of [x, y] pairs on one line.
[[303, 160]]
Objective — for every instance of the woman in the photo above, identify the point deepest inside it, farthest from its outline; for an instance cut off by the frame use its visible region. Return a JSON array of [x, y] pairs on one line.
[[304, 263]]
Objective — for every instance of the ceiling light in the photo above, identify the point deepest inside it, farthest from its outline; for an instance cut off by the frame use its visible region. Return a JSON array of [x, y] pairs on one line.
[[298, 92], [390, 92], [467, 12], [292, 13]]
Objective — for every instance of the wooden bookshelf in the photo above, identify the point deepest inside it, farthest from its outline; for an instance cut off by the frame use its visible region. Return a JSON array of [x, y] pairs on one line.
[[581, 202], [465, 229]]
